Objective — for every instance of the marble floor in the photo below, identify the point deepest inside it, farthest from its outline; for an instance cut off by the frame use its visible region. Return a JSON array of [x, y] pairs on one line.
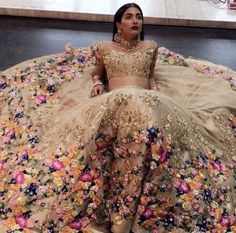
[[195, 13]]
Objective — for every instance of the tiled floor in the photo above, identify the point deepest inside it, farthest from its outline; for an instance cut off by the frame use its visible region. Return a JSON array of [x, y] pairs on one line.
[[197, 13]]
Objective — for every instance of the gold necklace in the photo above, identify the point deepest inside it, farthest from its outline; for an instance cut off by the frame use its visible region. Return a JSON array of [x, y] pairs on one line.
[[128, 46]]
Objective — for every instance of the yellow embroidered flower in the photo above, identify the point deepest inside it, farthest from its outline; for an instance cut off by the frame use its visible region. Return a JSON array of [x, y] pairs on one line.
[[79, 186], [128, 165], [148, 223], [187, 197], [233, 228], [27, 230], [171, 61], [194, 185], [98, 183], [96, 200], [66, 229], [21, 200], [58, 181], [18, 210], [66, 161], [219, 228], [14, 187], [218, 213], [144, 200], [10, 222], [69, 216], [86, 230], [79, 199], [136, 182]]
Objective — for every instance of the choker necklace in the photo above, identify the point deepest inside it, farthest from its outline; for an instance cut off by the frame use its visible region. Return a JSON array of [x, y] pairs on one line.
[[128, 46]]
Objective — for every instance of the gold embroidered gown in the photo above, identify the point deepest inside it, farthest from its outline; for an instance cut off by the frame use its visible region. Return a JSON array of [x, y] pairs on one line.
[[131, 159]]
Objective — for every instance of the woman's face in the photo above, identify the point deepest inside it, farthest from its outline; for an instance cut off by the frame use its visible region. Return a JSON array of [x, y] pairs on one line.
[[131, 23]]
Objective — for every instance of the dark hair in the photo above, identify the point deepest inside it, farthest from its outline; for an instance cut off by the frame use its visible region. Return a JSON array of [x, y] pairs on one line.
[[118, 16]]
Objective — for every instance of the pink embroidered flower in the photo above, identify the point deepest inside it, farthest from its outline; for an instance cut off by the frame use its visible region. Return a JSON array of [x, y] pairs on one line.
[[65, 68], [86, 177], [28, 79], [196, 206], [216, 165], [22, 222], [42, 189], [39, 149], [184, 186], [76, 225], [163, 155], [31, 223], [48, 162], [57, 164], [20, 178], [40, 99], [9, 135], [2, 165], [39, 202], [225, 221], [148, 213]]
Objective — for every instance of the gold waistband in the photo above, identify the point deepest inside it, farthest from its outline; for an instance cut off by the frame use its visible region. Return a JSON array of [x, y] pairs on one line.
[[127, 76]]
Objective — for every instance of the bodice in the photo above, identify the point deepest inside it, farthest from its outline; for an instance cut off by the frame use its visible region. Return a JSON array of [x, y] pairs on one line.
[[119, 63]]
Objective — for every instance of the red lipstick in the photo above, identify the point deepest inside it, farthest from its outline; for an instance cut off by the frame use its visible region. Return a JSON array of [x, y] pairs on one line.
[[135, 28]]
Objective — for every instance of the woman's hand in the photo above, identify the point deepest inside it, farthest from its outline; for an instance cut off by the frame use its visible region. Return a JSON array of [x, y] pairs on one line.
[[97, 90]]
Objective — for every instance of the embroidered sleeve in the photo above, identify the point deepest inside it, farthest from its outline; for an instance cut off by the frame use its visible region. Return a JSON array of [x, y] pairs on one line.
[[100, 68], [152, 83]]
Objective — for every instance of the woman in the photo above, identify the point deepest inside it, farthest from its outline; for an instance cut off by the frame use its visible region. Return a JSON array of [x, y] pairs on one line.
[[134, 158]]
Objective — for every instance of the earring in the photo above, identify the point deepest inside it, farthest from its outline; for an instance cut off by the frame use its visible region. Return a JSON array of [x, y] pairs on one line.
[[117, 36]]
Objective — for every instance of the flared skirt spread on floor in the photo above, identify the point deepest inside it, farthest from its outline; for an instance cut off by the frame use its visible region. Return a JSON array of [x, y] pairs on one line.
[[128, 160]]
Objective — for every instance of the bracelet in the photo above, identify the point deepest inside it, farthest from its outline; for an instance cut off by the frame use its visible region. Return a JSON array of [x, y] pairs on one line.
[[97, 82]]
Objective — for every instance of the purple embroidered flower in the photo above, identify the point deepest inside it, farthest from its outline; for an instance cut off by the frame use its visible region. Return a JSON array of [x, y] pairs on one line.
[[34, 139], [3, 84], [31, 190], [19, 114], [202, 224], [51, 88], [207, 195], [169, 222], [152, 133]]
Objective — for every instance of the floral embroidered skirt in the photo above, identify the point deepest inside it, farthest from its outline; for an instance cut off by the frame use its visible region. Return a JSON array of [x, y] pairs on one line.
[[128, 160]]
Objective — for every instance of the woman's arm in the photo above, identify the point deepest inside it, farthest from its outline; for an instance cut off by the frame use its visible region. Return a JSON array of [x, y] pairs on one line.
[[98, 87]]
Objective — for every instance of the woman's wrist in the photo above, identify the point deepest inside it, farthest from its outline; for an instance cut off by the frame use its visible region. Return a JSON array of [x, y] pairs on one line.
[[97, 82]]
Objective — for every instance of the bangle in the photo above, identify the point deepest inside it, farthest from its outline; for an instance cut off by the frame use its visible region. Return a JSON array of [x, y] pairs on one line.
[[97, 82]]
